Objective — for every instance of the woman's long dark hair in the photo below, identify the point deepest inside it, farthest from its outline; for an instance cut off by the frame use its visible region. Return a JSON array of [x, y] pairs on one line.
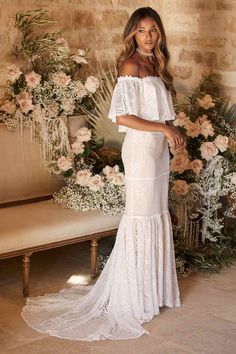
[[161, 53]]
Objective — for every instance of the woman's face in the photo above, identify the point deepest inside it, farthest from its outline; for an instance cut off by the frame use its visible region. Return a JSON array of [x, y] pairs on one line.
[[147, 34]]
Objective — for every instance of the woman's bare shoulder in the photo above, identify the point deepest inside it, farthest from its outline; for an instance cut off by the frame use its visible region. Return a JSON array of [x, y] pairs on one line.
[[129, 67]]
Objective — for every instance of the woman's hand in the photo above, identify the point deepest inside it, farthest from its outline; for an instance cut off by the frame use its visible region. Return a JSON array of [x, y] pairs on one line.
[[175, 138]]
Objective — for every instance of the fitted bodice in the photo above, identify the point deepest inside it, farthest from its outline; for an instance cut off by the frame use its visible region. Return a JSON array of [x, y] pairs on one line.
[[145, 97]]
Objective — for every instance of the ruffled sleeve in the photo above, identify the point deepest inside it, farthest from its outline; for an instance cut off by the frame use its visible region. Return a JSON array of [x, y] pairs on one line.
[[125, 99]]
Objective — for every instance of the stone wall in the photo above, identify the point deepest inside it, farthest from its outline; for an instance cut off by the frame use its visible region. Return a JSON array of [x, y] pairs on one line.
[[201, 35]]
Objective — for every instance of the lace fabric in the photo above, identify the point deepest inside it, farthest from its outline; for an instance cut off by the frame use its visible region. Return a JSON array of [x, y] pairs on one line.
[[140, 274], [144, 97]]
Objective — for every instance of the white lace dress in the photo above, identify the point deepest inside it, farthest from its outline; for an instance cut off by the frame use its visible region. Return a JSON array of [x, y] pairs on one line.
[[140, 274]]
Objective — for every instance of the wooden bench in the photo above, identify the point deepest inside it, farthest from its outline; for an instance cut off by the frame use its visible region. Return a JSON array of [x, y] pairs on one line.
[[29, 222]]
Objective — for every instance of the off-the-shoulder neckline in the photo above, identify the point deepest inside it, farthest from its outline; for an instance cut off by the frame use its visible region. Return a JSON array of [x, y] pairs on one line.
[[137, 77]]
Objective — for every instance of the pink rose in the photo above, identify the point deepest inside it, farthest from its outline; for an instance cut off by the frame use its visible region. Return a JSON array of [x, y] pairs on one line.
[[8, 107], [196, 166], [95, 183], [180, 187], [13, 72], [26, 105], [64, 163], [179, 163], [221, 142], [68, 104], [118, 179], [24, 95], [206, 102], [32, 79], [208, 150], [61, 79]]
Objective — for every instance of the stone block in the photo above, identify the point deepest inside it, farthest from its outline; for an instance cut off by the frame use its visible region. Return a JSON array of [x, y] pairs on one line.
[[114, 18], [182, 72], [199, 57]]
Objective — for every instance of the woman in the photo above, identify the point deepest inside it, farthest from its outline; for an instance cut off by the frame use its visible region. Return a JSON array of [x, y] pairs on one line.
[[140, 275]]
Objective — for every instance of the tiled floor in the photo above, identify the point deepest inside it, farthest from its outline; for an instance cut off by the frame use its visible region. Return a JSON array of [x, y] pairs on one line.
[[205, 324]]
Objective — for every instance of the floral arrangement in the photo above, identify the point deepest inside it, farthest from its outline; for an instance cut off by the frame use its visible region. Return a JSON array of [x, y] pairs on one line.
[[86, 188], [203, 177], [49, 89]]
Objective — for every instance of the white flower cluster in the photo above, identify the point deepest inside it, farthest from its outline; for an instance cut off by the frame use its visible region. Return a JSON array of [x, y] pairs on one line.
[[103, 191]]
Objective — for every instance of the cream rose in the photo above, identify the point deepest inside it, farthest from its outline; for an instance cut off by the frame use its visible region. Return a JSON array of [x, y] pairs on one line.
[[83, 134], [68, 104], [61, 79], [180, 187], [77, 147], [181, 119], [192, 129], [196, 165], [26, 105], [111, 172], [13, 72], [91, 84], [221, 142], [79, 89], [95, 182], [206, 101], [24, 95], [118, 179], [8, 107], [82, 177], [208, 150], [32, 79], [64, 163], [179, 163]]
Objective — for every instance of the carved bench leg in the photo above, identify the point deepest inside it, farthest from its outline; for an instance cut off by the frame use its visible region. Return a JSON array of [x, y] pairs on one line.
[[26, 272], [94, 248]]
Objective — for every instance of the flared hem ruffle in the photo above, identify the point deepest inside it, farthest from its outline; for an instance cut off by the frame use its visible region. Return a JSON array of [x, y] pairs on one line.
[[138, 278]]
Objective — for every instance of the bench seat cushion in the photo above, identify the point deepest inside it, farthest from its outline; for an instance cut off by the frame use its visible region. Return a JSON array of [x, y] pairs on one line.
[[41, 223]]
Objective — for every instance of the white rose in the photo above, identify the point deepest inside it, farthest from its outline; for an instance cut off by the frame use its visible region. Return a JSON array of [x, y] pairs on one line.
[[64, 163], [91, 84], [208, 150], [95, 183], [8, 107], [179, 163], [83, 134], [79, 57], [77, 147], [60, 79], [206, 102], [180, 187], [32, 79], [26, 105], [221, 142], [13, 72], [82, 177], [110, 171]]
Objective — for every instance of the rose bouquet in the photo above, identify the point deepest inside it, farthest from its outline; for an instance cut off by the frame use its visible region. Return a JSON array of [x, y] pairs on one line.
[[89, 187], [203, 171]]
